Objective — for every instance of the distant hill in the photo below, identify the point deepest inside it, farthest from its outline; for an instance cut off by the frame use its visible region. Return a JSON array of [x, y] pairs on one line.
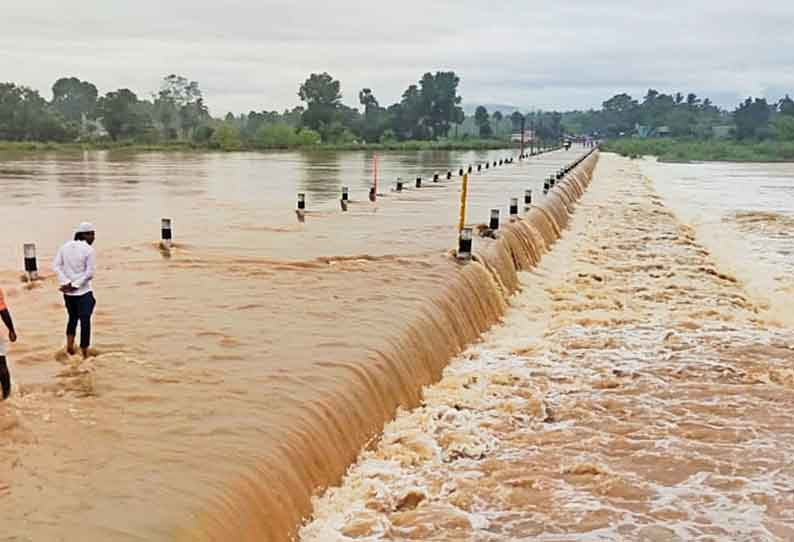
[[505, 109]]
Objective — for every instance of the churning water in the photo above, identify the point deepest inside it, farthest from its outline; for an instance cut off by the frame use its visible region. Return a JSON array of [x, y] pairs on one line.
[[637, 385], [636, 389], [236, 378]]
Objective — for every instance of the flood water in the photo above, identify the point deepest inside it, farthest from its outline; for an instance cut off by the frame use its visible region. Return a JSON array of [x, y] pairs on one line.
[[639, 387], [636, 386], [744, 214], [244, 371]]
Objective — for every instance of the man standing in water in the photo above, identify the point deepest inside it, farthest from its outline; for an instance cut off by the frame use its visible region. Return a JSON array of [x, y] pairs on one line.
[[5, 377], [75, 264]]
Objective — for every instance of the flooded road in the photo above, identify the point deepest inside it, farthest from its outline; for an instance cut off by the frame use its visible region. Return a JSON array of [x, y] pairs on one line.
[[235, 377], [635, 390]]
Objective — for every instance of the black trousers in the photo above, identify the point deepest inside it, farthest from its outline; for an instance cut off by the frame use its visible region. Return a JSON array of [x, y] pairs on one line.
[[80, 309], [5, 377]]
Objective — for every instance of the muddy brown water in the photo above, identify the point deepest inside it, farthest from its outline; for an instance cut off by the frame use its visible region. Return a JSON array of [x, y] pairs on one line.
[[236, 378], [638, 389]]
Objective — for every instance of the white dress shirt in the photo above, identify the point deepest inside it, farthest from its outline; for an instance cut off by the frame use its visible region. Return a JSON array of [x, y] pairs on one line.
[[75, 264]]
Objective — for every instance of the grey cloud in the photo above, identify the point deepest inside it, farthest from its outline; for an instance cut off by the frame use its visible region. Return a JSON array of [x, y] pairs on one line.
[[251, 54]]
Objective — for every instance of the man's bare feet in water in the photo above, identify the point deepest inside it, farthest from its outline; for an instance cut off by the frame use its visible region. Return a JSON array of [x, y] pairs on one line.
[[70, 349]]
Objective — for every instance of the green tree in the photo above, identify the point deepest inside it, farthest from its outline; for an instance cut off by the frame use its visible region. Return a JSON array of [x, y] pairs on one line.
[[752, 118], [275, 135], [26, 116], [74, 98], [440, 102], [786, 106], [203, 134], [121, 115], [372, 126], [226, 137], [368, 100], [179, 106], [680, 121], [294, 116], [482, 120], [518, 121], [192, 115], [323, 98], [655, 109], [406, 117], [783, 127], [499, 125], [692, 100], [308, 137], [621, 113]]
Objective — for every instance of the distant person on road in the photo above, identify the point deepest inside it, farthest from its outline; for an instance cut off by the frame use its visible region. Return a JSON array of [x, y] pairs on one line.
[[75, 265], [5, 376]]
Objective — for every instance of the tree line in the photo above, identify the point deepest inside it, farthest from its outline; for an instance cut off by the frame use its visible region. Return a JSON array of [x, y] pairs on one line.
[[685, 116], [428, 110]]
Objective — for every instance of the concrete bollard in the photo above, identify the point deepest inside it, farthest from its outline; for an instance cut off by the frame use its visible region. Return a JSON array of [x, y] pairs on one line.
[[301, 202], [494, 163], [487, 165], [31, 266], [464, 245], [399, 187], [527, 197], [500, 162], [419, 182], [345, 198], [494, 223], [435, 177], [513, 208], [546, 187], [460, 172], [449, 175], [479, 168], [470, 168], [166, 234]]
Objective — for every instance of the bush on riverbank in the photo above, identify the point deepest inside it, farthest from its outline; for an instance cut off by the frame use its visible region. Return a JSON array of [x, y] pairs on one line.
[[683, 150]]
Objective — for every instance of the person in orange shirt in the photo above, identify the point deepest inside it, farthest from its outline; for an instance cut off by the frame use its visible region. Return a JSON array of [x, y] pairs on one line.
[[5, 377]]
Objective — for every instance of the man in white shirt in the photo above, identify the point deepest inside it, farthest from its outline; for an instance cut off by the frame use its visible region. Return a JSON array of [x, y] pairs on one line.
[[75, 265]]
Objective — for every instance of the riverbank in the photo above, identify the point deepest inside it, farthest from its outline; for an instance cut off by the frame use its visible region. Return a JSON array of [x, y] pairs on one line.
[[188, 146], [672, 150]]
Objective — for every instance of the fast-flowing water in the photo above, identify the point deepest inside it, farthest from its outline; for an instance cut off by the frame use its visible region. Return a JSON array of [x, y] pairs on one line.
[[744, 214], [241, 373], [639, 388]]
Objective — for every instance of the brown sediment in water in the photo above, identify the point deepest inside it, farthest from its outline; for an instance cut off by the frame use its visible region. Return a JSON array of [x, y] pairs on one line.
[[655, 404], [764, 221], [269, 501], [254, 357]]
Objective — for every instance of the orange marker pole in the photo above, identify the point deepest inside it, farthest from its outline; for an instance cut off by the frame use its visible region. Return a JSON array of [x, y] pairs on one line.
[[373, 191], [377, 163]]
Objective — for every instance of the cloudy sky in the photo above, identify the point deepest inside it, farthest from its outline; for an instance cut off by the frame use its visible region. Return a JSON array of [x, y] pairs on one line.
[[253, 54]]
